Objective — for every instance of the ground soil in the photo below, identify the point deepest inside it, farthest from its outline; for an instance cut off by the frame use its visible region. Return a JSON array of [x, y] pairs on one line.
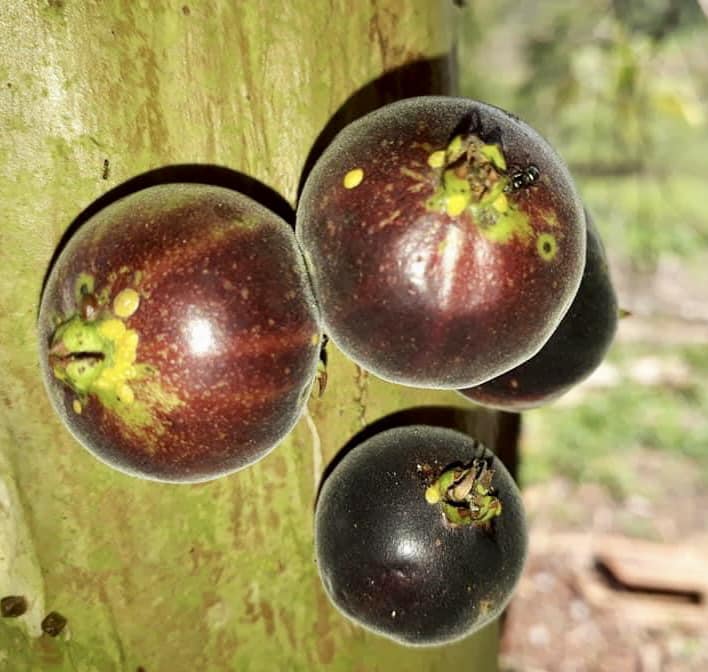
[[568, 616]]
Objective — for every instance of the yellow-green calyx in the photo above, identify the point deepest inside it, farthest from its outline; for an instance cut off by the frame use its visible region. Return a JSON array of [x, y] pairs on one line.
[[466, 494], [473, 178], [94, 353], [97, 357]]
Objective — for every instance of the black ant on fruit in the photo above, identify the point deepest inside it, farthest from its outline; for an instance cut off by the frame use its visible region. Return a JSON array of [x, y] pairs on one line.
[[521, 179]]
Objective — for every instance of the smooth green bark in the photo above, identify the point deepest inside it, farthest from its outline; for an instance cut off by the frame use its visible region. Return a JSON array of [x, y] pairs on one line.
[[217, 576]]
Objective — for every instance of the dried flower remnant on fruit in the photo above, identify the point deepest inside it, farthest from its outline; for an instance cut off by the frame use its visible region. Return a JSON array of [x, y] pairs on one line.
[[53, 624], [471, 172], [12, 606], [474, 179], [466, 494]]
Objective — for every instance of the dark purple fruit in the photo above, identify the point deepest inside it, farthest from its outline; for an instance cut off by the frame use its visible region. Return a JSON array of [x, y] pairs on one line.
[[446, 241], [420, 535], [573, 352], [178, 333]]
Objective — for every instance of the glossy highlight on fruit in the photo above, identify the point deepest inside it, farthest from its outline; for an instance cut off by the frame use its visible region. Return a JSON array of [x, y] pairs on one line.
[[178, 333], [576, 348], [445, 239], [420, 535]]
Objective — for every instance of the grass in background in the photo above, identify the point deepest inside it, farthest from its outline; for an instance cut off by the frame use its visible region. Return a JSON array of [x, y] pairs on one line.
[[656, 402]]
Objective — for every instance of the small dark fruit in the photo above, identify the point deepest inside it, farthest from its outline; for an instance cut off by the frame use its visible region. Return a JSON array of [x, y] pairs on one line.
[[573, 352], [445, 239], [178, 332], [420, 535]]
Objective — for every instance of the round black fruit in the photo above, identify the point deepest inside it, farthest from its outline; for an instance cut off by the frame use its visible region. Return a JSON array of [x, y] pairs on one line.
[[445, 239], [178, 332], [420, 535], [576, 348]]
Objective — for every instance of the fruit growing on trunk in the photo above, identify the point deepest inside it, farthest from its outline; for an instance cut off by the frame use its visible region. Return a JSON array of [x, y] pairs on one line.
[[573, 352], [420, 535], [178, 333], [445, 239]]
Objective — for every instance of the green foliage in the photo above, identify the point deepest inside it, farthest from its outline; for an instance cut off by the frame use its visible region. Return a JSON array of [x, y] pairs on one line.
[[647, 219], [619, 88]]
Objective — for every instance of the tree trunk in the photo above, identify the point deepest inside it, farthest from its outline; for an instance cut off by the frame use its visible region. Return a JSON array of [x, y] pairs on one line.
[[221, 575]]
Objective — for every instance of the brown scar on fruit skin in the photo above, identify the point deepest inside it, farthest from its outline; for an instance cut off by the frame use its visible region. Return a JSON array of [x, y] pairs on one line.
[[390, 219]]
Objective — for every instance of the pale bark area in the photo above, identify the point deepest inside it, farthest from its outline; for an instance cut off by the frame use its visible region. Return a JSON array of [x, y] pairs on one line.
[[218, 576]]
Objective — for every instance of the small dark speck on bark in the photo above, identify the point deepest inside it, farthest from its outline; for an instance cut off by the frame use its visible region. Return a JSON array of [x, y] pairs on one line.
[[53, 624], [13, 606]]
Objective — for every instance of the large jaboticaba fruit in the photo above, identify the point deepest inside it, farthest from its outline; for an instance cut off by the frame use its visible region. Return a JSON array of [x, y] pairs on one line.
[[573, 352], [178, 333], [445, 238], [420, 535]]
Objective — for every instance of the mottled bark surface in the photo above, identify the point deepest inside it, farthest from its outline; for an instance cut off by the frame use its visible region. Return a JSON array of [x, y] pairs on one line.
[[217, 576]]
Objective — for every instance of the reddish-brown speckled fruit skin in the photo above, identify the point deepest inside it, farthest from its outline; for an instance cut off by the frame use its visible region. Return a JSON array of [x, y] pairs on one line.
[[576, 348], [424, 298], [227, 325]]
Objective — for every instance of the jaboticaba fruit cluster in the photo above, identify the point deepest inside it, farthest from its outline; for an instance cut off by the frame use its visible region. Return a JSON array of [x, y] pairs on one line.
[[179, 333], [440, 243]]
